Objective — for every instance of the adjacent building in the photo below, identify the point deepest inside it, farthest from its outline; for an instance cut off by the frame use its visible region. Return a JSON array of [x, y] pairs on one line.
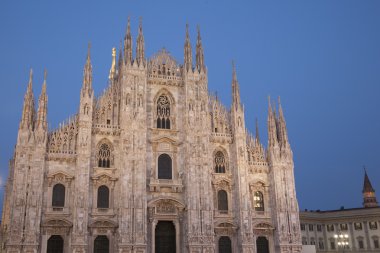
[[352, 230]]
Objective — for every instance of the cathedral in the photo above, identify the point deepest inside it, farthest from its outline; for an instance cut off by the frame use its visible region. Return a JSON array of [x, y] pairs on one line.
[[155, 164]]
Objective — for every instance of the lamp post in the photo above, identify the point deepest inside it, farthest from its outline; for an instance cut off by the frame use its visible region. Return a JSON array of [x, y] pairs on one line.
[[342, 240]]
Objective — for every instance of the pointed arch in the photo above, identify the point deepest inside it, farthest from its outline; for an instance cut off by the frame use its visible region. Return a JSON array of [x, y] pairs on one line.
[[164, 108]]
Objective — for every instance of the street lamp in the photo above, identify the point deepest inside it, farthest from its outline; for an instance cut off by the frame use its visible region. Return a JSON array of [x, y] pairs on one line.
[[342, 240]]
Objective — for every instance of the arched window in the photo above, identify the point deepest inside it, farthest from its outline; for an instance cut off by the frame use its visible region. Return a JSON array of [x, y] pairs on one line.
[[164, 167], [104, 156], [258, 199], [103, 197], [55, 244], [163, 112], [222, 201], [101, 244], [262, 244], [220, 162], [58, 199]]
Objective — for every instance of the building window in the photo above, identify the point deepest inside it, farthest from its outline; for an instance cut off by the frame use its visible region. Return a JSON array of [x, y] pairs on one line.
[[373, 225], [360, 243], [163, 112], [311, 227], [304, 241], [220, 162], [164, 167], [321, 244], [332, 245], [258, 198], [376, 242], [222, 201], [104, 156], [358, 226], [343, 227], [302, 227], [312, 241], [319, 228], [103, 197], [58, 199], [330, 227]]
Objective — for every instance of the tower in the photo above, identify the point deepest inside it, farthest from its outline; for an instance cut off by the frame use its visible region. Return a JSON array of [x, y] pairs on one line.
[[369, 196], [285, 210]]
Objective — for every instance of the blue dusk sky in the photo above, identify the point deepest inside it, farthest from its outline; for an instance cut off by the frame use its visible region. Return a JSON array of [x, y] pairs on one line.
[[322, 57]]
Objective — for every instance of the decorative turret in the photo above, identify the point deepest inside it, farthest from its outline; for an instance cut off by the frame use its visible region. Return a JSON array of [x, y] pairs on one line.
[[140, 47], [199, 53], [87, 76], [369, 197], [42, 107], [128, 45], [28, 112], [188, 58]]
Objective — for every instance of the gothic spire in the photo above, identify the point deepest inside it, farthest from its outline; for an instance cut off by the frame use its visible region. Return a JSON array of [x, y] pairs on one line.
[[283, 135], [128, 45], [188, 58], [113, 65], [140, 47], [369, 197], [199, 52], [257, 131], [235, 88], [28, 112], [272, 131], [120, 58], [42, 106], [87, 75]]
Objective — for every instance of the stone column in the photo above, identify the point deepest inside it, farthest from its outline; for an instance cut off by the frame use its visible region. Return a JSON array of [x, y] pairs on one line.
[[352, 236], [154, 223], [177, 235]]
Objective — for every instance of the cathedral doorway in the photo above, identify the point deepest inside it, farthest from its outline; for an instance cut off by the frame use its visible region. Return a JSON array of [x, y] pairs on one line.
[[101, 244], [165, 237], [55, 244], [224, 245], [262, 245]]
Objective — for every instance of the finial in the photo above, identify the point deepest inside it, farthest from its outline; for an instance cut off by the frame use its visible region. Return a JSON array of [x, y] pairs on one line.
[[187, 31], [199, 32], [269, 103]]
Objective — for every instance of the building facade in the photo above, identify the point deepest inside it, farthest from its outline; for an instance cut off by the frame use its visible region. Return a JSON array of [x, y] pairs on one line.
[[354, 230], [154, 164]]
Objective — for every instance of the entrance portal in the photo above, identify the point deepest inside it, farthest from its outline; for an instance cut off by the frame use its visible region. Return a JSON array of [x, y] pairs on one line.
[[262, 245], [101, 244], [165, 237], [225, 244], [55, 244]]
